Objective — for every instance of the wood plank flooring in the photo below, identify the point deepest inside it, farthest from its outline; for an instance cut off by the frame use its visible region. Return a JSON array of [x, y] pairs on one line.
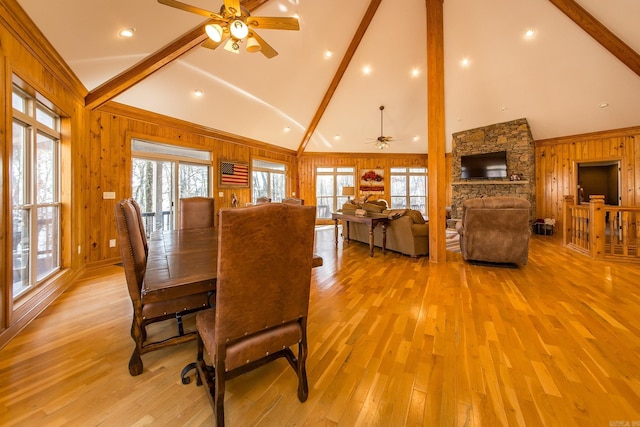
[[394, 341]]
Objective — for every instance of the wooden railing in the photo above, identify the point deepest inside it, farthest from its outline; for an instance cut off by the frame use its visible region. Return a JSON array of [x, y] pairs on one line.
[[601, 231]]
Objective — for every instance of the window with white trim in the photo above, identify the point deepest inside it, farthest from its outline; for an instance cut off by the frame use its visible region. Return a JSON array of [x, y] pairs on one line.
[[35, 193], [409, 188], [268, 179], [329, 183]]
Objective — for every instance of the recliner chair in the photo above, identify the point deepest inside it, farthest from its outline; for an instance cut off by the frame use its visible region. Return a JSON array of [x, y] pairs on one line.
[[495, 229]]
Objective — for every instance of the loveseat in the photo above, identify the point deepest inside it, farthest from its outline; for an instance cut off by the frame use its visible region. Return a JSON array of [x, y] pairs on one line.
[[407, 232]]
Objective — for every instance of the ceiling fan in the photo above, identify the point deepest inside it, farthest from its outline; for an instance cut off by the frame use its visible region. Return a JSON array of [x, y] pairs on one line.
[[234, 24], [382, 141]]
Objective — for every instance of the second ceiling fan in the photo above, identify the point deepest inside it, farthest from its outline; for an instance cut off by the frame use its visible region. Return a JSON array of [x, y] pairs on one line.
[[382, 141], [234, 25]]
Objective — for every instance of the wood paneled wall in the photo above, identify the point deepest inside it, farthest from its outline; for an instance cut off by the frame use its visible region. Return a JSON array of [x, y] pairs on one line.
[[308, 163], [111, 129], [557, 159]]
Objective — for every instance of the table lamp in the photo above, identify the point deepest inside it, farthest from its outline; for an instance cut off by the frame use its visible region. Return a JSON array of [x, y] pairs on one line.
[[348, 191]]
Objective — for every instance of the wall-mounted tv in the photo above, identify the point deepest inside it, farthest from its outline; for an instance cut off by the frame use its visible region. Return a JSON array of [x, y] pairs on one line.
[[484, 166]]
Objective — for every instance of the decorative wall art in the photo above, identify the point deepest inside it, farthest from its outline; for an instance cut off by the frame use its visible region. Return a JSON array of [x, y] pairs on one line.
[[372, 181], [234, 174]]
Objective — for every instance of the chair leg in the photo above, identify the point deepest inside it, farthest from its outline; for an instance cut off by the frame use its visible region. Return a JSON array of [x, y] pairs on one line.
[[303, 384], [218, 398], [138, 335]]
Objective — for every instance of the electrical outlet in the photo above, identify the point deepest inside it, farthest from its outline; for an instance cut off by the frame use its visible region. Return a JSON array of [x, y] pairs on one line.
[[221, 194], [112, 243], [109, 195]]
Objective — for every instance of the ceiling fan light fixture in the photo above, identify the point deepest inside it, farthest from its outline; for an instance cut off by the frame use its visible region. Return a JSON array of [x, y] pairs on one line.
[[239, 29], [214, 31], [253, 45]]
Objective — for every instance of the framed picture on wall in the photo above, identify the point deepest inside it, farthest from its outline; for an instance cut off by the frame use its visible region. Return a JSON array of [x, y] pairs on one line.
[[372, 181], [233, 174]]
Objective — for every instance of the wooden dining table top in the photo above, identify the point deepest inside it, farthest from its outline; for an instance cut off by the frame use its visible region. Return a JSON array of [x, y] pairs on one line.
[[179, 257]]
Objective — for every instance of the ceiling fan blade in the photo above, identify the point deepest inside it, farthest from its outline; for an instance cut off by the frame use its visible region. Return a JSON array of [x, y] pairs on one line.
[[266, 48], [210, 44], [192, 9], [233, 4], [271, 23]]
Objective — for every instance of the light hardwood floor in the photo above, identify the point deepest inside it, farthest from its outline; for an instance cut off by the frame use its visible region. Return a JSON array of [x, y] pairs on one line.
[[393, 341]]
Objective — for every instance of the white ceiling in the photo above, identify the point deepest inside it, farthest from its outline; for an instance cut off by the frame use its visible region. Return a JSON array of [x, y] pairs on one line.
[[557, 80]]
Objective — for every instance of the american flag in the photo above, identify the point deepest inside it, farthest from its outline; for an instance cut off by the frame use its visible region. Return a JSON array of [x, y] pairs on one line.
[[234, 173]]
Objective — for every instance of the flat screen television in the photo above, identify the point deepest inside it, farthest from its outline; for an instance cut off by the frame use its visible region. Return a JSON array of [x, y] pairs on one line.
[[484, 166]]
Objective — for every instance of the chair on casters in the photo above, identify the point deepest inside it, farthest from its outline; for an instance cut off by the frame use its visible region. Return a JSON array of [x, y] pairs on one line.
[[262, 296], [197, 212]]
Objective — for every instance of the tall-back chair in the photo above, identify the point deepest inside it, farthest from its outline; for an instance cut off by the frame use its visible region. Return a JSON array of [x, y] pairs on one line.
[[262, 296], [197, 212], [134, 251]]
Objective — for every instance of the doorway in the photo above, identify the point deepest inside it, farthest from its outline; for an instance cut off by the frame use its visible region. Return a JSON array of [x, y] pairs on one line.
[[601, 178]]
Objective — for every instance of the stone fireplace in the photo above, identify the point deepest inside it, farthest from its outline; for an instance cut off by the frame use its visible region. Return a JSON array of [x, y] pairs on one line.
[[515, 138]]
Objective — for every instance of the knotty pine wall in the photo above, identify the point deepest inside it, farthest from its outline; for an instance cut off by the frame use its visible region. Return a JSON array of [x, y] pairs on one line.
[[27, 59], [556, 166], [111, 129]]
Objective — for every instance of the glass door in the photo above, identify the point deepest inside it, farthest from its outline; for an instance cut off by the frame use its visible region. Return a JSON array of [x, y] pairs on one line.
[[152, 184]]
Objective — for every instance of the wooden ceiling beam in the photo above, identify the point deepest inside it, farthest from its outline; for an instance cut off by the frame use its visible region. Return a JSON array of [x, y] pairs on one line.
[[351, 50], [152, 63], [600, 33]]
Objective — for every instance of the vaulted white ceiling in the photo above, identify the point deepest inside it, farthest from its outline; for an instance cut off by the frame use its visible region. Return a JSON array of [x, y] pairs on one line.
[[557, 80]]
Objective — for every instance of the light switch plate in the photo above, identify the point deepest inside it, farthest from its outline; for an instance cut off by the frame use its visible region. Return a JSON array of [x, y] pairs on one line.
[[221, 194], [109, 195], [112, 243]]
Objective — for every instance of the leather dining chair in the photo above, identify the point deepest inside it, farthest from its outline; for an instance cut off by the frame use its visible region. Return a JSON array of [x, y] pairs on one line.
[[134, 252], [197, 212], [262, 296]]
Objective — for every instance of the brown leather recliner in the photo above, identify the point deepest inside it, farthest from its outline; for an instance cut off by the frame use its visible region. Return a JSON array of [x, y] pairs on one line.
[[262, 296], [495, 229], [197, 212]]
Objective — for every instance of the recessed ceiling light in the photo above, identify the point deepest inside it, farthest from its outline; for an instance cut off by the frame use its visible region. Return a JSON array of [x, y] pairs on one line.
[[416, 138], [198, 93], [503, 108], [328, 54], [283, 8], [127, 32], [366, 69], [603, 105], [415, 72], [336, 137], [465, 62], [529, 33], [287, 129]]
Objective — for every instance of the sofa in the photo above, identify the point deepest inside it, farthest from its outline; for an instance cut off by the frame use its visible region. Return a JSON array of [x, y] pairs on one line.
[[495, 229], [407, 232]]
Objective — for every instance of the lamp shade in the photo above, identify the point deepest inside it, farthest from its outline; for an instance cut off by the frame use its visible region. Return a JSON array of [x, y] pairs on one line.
[[214, 31], [348, 191], [239, 29], [253, 45]]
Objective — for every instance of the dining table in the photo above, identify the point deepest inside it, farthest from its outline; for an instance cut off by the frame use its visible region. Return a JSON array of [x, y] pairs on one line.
[[183, 257]]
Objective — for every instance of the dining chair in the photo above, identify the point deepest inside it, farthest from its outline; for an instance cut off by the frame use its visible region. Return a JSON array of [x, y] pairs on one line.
[[262, 296], [261, 200], [197, 212], [293, 201], [134, 252]]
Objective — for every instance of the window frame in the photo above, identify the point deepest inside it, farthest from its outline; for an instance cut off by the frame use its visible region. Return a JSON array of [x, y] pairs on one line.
[[407, 173], [337, 199], [34, 107], [259, 165]]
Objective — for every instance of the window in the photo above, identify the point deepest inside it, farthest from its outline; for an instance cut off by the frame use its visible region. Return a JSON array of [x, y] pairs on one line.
[[268, 179], [329, 183], [155, 184], [409, 189], [35, 194]]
